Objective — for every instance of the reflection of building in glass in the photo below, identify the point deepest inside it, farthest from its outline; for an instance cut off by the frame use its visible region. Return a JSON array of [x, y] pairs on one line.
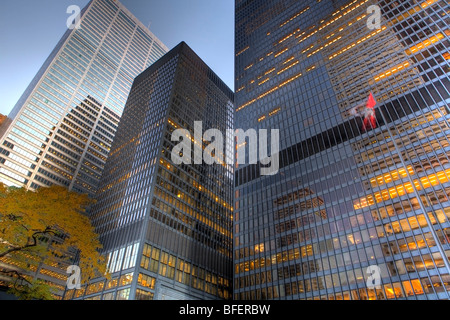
[[99, 60], [90, 141], [380, 196], [166, 228]]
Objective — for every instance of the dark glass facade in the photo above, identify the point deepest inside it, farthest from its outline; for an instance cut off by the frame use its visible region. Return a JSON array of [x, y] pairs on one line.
[[166, 228], [345, 198]]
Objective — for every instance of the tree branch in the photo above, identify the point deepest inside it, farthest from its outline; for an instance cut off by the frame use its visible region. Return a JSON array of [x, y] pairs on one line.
[[34, 242], [19, 277]]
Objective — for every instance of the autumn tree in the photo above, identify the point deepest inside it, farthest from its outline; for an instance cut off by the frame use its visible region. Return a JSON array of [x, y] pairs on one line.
[[44, 225]]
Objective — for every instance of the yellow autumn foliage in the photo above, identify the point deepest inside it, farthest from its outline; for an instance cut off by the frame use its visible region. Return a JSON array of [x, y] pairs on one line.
[[28, 216]]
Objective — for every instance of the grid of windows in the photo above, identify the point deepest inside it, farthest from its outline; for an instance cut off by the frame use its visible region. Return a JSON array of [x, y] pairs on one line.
[[61, 130], [181, 215], [345, 198], [77, 97]]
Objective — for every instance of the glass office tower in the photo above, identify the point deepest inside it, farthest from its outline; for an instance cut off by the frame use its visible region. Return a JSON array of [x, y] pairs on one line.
[[166, 228], [355, 189], [61, 129], [64, 123]]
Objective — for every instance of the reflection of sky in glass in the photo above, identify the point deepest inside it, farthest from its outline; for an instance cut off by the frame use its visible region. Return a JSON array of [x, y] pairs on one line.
[[31, 29]]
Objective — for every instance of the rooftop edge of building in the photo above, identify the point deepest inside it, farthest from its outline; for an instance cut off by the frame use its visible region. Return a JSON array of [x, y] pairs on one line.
[[183, 47], [140, 23]]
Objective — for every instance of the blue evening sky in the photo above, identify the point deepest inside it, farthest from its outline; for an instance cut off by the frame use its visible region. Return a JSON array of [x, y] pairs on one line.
[[30, 29]]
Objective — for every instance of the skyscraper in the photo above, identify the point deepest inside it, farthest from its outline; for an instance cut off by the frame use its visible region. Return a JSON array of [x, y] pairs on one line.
[[360, 207], [61, 129], [64, 123], [166, 228]]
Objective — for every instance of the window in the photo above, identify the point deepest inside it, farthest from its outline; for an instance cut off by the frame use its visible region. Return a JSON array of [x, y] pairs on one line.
[[412, 288], [144, 295], [126, 279], [123, 294], [109, 296], [146, 281]]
